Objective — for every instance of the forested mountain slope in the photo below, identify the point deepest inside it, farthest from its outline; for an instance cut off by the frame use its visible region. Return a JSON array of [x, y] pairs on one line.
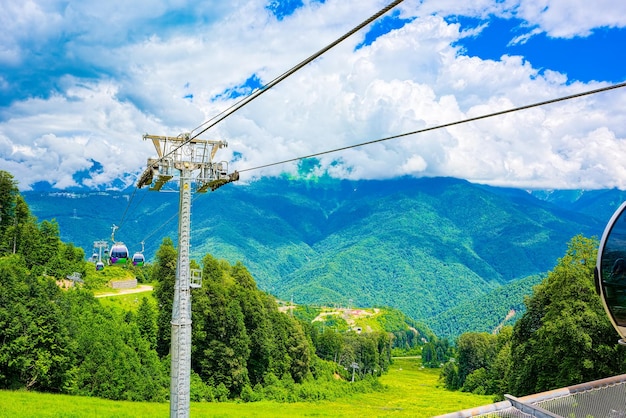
[[420, 245], [502, 306], [597, 203]]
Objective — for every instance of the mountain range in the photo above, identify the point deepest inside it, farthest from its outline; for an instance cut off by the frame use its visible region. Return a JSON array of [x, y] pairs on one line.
[[426, 246]]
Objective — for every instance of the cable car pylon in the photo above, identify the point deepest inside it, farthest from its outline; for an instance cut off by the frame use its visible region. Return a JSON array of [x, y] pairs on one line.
[[186, 156], [99, 245]]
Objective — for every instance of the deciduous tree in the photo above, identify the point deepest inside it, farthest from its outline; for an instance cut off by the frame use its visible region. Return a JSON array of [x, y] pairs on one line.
[[565, 337]]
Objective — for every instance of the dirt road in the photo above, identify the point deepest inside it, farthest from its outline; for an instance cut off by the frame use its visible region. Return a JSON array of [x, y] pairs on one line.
[[138, 289]]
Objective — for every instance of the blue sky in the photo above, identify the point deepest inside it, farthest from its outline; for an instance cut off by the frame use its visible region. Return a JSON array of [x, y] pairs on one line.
[[82, 81], [593, 57]]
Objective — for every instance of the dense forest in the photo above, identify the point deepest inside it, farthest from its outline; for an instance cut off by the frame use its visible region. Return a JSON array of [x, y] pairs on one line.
[[420, 245], [563, 338], [499, 307], [62, 339]]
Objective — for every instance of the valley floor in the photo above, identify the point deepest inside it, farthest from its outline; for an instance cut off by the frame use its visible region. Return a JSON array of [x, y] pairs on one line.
[[412, 392]]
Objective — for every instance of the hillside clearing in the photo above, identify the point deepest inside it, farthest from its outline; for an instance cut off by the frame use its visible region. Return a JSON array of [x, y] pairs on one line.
[[138, 289]]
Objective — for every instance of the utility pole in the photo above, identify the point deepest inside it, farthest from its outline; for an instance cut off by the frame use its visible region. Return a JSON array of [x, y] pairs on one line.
[[74, 277], [187, 156]]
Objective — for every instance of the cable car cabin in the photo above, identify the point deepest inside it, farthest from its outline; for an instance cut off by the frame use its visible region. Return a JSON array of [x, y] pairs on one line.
[[138, 259], [99, 266], [118, 254], [610, 271]]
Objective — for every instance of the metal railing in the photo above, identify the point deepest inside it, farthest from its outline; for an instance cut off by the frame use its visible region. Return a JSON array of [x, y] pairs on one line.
[[604, 398]]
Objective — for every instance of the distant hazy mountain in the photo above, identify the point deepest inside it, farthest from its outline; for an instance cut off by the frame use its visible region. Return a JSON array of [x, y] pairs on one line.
[[421, 245]]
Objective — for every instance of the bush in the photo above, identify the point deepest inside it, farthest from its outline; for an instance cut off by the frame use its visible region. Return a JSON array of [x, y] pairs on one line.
[[323, 370], [476, 382], [249, 395], [450, 376], [406, 352], [221, 393], [200, 391]]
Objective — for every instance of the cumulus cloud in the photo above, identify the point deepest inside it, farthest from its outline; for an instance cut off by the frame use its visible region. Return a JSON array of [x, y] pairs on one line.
[[161, 67], [51, 139], [570, 18]]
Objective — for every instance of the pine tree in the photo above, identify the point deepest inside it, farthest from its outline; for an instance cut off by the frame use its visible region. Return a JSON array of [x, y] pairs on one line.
[[146, 322], [164, 271]]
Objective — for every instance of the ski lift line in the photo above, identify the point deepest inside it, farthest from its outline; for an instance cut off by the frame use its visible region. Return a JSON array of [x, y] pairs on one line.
[[229, 111], [160, 227], [164, 223], [446, 125], [130, 200], [538, 104], [286, 74], [223, 115], [132, 196], [241, 103]]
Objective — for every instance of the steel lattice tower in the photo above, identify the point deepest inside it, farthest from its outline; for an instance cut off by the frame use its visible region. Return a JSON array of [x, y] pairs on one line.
[[181, 307], [186, 156]]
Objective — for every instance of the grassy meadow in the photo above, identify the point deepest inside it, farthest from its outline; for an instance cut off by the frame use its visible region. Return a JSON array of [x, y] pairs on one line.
[[125, 301], [411, 392]]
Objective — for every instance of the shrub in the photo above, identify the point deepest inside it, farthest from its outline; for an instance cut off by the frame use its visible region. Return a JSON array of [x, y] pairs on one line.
[[249, 395], [200, 391], [221, 393]]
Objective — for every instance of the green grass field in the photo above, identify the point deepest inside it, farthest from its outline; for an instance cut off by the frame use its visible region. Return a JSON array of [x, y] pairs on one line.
[[412, 392], [127, 302]]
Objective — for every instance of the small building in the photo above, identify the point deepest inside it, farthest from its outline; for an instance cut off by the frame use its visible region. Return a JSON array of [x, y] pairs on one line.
[[124, 284]]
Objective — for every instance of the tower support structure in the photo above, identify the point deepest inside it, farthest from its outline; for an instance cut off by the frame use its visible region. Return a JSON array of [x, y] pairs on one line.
[[100, 245], [181, 308], [187, 156]]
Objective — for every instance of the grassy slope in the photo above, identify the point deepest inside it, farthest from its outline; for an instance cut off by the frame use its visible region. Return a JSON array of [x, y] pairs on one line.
[[412, 392], [129, 301]]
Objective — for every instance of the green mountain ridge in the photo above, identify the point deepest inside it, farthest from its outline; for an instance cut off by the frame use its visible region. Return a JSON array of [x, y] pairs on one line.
[[503, 305], [423, 246]]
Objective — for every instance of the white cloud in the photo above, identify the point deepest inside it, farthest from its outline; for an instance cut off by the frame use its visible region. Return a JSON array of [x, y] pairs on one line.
[[523, 38], [52, 139], [570, 18], [27, 22], [409, 79]]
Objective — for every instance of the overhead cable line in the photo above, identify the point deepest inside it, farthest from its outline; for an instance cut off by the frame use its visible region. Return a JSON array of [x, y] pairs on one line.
[[446, 125], [163, 224], [489, 115], [241, 103], [286, 74], [130, 200]]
